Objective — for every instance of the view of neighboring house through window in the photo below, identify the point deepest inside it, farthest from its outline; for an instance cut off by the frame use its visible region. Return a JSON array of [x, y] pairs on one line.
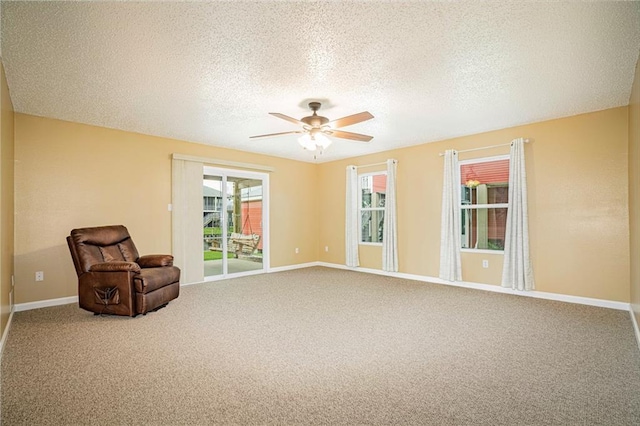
[[212, 204], [484, 201], [371, 190]]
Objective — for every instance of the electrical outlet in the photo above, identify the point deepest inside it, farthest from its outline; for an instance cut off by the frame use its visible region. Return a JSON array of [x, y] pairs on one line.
[[40, 276], [297, 250], [169, 207], [326, 248], [485, 263]]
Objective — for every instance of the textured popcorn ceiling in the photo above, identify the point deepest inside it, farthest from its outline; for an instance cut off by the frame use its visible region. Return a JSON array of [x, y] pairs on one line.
[[210, 72]]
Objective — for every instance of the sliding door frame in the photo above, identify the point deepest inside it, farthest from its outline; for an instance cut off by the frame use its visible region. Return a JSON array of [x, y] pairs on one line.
[[225, 173]]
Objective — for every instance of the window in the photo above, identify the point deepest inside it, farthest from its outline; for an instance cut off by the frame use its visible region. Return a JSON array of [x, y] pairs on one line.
[[484, 199], [371, 190], [212, 203]]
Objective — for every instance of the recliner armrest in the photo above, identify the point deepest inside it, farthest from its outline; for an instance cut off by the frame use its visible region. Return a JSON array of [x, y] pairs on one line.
[[155, 260], [115, 267]]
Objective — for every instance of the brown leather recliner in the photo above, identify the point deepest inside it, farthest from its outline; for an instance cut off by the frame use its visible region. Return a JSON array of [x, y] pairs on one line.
[[114, 279]]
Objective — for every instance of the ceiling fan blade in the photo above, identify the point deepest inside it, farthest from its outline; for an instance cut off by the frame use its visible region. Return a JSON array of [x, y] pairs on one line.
[[275, 134], [351, 119], [349, 135], [286, 117]]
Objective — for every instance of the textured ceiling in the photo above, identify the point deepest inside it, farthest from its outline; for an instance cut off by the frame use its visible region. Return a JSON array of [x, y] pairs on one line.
[[210, 72]]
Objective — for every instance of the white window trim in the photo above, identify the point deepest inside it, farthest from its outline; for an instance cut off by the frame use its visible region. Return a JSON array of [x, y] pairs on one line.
[[360, 208], [481, 251], [481, 206], [485, 206]]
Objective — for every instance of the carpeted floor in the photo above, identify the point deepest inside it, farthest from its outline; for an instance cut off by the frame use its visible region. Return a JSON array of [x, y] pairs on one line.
[[324, 346]]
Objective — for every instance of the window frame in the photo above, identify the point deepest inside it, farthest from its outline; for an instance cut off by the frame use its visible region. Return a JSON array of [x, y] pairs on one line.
[[479, 206], [361, 209]]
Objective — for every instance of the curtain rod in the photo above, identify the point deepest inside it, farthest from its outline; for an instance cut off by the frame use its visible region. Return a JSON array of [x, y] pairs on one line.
[[374, 164], [487, 147]]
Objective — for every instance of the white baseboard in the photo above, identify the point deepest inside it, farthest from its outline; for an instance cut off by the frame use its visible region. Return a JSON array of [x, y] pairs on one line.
[[5, 333], [488, 287], [635, 326], [18, 307]]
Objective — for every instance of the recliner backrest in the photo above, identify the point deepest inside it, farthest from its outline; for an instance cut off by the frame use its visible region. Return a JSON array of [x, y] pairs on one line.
[[101, 244]]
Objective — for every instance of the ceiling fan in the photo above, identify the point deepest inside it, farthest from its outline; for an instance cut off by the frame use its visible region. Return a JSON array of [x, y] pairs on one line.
[[315, 128]]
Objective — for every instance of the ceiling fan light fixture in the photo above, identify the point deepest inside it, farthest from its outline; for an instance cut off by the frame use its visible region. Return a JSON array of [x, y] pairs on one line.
[[322, 141], [306, 142]]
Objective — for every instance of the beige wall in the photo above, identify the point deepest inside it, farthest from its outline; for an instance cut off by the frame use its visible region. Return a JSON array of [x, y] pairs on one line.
[[6, 200], [634, 192], [70, 175], [578, 205]]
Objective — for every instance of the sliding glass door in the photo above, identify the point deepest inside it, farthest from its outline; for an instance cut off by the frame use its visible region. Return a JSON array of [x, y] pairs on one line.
[[235, 235]]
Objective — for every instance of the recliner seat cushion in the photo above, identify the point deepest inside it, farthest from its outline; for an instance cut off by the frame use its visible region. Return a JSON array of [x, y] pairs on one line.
[[151, 279]]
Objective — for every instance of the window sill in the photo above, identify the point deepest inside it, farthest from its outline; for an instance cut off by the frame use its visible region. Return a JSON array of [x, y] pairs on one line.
[[370, 244], [481, 251]]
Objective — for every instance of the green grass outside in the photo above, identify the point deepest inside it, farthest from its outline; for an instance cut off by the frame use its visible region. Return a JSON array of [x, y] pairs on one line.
[[216, 255], [214, 230]]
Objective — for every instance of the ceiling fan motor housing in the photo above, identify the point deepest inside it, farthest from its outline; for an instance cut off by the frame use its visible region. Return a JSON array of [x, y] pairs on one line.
[[315, 120]]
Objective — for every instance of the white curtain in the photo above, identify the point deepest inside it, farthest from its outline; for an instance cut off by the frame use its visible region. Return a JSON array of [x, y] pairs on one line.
[[351, 215], [390, 229], [450, 263], [187, 219], [517, 272]]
